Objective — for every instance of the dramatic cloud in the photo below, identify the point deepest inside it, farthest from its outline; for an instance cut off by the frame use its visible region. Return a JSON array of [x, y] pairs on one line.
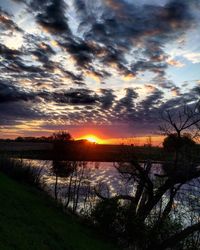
[[51, 15], [100, 62], [10, 93], [7, 23]]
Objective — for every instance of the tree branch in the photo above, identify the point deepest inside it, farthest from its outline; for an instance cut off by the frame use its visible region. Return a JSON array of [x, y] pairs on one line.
[[174, 239]]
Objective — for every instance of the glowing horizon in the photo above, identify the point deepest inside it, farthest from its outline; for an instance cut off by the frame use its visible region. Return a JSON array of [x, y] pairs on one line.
[[91, 138], [156, 140]]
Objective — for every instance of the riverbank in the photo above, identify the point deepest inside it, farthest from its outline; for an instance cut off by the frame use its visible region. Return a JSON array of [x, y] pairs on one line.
[[74, 151], [29, 219]]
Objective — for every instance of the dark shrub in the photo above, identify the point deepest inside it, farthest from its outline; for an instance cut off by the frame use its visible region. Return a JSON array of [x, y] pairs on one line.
[[21, 171]]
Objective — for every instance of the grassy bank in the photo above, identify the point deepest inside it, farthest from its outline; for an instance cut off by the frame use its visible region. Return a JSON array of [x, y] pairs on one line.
[[29, 219]]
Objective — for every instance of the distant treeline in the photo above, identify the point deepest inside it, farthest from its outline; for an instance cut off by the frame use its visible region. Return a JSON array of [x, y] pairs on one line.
[[62, 136], [29, 139]]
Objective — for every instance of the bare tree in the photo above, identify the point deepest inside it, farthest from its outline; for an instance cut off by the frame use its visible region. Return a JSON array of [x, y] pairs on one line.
[[182, 119], [154, 194]]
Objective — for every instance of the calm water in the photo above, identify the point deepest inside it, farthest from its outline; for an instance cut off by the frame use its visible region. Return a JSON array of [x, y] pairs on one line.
[[88, 175], [94, 172], [104, 176]]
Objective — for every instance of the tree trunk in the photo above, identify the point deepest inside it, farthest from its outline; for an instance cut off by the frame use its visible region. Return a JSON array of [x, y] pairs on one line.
[[56, 188], [69, 191]]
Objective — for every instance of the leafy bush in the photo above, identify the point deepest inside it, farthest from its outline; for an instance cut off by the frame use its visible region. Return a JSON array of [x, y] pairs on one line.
[[105, 215], [172, 143]]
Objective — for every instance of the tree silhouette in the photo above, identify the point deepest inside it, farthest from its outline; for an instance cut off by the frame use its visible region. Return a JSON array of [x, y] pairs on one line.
[[60, 169], [182, 119], [149, 222], [61, 136]]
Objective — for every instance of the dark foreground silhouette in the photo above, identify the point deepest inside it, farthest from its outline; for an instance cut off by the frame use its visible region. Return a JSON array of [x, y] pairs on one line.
[[31, 220]]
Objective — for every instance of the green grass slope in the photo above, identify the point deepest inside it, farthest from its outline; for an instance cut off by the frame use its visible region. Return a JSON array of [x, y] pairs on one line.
[[30, 220]]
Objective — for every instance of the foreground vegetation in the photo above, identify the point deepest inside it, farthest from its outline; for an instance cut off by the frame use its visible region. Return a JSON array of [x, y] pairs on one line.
[[30, 220], [157, 207]]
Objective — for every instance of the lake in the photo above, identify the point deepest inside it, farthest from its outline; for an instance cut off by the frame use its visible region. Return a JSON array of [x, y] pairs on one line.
[[76, 186]]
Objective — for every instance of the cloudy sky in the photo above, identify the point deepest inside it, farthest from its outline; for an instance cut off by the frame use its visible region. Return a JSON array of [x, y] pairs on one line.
[[104, 67]]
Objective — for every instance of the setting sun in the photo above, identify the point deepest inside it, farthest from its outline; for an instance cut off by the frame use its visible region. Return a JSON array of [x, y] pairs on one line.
[[92, 138]]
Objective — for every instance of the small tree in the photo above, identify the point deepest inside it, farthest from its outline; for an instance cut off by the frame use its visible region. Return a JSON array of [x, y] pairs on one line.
[[62, 136], [183, 147]]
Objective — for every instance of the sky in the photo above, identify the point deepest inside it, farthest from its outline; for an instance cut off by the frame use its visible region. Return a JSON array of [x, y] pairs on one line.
[[109, 68]]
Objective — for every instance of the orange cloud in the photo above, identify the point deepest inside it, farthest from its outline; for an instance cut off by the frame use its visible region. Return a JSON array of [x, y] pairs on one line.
[[137, 141], [129, 77], [93, 76], [175, 92], [112, 4], [175, 63], [150, 88], [43, 46], [4, 19]]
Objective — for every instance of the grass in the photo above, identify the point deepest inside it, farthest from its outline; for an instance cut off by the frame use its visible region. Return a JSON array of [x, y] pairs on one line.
[[29, 219]]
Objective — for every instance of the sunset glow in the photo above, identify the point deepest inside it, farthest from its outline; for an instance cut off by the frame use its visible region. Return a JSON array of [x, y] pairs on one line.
[[110, 78], [100, 102], [92, 138]]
